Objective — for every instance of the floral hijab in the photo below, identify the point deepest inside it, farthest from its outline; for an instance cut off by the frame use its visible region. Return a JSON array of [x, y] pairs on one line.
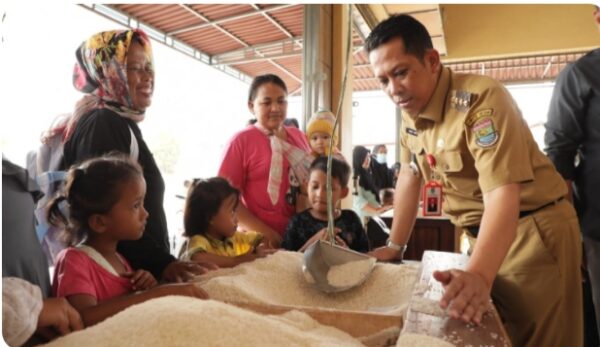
[[101, 73]]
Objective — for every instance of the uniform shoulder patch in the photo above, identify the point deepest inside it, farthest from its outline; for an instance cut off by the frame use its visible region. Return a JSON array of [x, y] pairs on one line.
[[461, 100], [475, 116], [485, 132]]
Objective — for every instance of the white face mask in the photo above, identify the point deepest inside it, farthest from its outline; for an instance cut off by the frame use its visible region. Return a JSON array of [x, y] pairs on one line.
[[381, 158]]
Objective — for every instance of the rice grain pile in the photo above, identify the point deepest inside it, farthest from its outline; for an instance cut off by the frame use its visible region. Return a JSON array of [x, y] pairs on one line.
[[350, 273], [184, 321], [427, 306], [278, 280]]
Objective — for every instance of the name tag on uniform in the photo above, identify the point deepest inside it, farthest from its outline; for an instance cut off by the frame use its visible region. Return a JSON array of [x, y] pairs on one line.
[[411, 131], [432, 192], [432, 199]]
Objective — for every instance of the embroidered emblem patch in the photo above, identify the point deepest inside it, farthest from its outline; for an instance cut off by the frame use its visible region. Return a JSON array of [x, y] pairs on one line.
[[473, 118], [485, 133], [411, 131]]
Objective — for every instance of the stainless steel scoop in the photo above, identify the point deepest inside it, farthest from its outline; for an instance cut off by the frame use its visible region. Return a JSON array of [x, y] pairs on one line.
[[321, 257]]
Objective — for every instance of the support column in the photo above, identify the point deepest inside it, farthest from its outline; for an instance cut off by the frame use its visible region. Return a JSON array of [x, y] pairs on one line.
[[316, 60], [340, 34]]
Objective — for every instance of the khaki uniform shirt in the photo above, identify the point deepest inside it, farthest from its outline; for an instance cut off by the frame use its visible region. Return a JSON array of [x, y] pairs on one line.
[[480, 141]]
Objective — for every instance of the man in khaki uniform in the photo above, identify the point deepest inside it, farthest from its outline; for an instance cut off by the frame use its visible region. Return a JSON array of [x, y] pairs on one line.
[[466, 133]]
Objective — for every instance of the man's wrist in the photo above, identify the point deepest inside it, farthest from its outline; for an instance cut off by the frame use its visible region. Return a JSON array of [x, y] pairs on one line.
[[399, 249]]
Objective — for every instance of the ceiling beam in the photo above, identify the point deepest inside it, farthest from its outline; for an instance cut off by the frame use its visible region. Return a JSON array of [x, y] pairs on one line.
[[272, 20], [240, 41], [277, 49], [239, 61], [226, 19], [282, 68], [367, 14]]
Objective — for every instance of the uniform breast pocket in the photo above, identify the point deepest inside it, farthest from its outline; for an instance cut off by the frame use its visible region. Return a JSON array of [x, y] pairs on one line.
[[412, 143], [454, 172]]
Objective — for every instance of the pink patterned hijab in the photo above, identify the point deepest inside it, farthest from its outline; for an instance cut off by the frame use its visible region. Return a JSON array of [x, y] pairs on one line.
[[101, 73]]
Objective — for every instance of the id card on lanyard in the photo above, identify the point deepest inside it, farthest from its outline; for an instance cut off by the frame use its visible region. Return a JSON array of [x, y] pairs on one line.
[[432, 192]]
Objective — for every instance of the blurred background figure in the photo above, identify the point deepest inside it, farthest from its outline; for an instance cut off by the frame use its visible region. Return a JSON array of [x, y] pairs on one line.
[[386, 196], [366, 201], [573, 144], [395, 172], [382, 175]]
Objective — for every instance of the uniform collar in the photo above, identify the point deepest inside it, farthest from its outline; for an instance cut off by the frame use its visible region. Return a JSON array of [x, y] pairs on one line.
[[434, 110]]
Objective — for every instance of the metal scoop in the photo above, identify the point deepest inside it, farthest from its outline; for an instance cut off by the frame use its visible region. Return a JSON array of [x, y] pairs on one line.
[[321, 257]]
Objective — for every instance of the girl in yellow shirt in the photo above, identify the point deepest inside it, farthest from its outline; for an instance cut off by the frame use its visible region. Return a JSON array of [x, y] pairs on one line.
[[210, 222]]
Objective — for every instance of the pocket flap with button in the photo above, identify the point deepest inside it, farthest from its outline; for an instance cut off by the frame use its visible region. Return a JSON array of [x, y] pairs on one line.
[[414, 145], [452, 161]]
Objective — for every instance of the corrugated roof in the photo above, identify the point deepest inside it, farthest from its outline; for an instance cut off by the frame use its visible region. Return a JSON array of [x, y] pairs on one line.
[[236, 35], [246, 40]]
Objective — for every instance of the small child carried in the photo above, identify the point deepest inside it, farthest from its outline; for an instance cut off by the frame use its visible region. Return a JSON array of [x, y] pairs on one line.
[[307, 227], [210, 223], [101, 204], [319, 131]]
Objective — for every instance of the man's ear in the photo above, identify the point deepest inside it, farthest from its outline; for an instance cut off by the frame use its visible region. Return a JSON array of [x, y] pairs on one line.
[[432, 57], [345, 192], [97, 223]]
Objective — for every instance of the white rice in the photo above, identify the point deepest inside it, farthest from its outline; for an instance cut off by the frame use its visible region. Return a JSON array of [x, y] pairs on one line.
[[278, 280], [184, 321]]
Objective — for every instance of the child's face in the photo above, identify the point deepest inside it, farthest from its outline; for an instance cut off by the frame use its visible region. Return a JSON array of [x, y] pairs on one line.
[[317, 191], [224, 223], [126, 220], [320, 142]]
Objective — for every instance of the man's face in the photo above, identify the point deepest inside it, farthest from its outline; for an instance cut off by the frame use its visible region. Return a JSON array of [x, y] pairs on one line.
[[403, 77]]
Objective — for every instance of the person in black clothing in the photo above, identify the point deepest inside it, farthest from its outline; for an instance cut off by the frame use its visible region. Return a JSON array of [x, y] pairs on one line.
[[115, 70], [22, 254], [383, 177], [307, 227], [573, 144]]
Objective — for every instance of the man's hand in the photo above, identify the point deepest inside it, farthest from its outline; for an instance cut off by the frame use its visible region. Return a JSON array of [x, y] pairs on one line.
[[466, 294], [384, 254]]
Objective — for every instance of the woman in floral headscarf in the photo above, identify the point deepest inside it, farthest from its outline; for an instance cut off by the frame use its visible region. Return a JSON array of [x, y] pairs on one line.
[[115, 70]]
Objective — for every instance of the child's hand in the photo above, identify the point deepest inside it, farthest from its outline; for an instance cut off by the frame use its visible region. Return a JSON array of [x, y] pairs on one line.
[[340, 242], [141, 280], [183, 271], [58, 317], [322, 235], [263, 249], [182, 289]]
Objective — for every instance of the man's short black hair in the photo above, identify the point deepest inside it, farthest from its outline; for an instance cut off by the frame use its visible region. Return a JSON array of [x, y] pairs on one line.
[[414, 35], [339, 169]]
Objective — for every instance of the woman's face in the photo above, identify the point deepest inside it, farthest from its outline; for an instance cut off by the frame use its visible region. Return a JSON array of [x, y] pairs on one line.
[[270, 106], [140, 77]]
